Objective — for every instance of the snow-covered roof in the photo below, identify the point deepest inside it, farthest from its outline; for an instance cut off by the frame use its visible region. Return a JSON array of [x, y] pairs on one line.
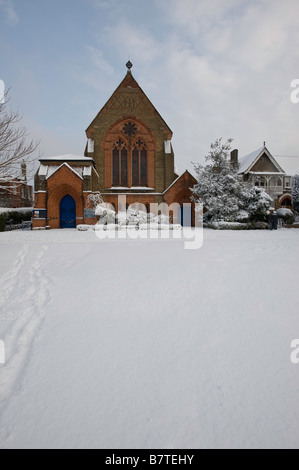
[[289, 164], [68, 157], [261, 173], [248, 161], [48, 170], [176, 180]]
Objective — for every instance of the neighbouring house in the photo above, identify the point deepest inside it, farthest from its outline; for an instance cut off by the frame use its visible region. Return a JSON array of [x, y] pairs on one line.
[[274, 174], [128, 153], [15, 192]]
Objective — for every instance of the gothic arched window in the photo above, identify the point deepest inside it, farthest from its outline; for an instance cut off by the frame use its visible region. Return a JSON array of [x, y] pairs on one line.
[[120, 164], [139, 164]]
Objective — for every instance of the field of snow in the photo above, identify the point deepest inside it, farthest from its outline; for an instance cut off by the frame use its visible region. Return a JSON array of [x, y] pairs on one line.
[[142, 344]]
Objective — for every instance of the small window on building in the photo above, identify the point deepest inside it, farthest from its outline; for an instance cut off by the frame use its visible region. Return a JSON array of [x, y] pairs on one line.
[[15, 188], [287, 182]]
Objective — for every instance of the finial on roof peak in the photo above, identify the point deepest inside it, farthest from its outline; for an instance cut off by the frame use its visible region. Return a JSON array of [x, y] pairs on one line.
[[129, 65], [264, 144]]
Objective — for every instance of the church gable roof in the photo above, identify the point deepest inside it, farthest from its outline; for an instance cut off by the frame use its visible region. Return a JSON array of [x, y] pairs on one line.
[[184, 177], [129, 100]]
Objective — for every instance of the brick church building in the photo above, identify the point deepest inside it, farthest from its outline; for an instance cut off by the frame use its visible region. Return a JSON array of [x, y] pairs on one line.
[[128, 152]]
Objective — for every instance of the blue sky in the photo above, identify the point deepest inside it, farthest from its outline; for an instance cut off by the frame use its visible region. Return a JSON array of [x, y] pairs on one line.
[[212, 68]]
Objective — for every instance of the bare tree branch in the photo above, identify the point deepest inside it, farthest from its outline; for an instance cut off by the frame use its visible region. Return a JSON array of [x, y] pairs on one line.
[[14, 144]]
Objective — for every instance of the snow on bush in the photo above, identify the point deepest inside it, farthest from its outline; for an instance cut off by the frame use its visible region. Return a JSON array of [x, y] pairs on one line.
[[222, 225], [131, 217], [256, 202], [224, 194], [105, 214], [287, 215], [155, 226], [94, 199], [111, 227], [295, 193], [83, 227], [259, 226], [161, 219], [242, 216]]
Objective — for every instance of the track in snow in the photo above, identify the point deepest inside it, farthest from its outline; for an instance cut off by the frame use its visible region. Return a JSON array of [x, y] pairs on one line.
[[24, 293]]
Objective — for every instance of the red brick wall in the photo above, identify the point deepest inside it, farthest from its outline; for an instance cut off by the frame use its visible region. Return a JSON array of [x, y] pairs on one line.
[[180, 192], [64, 181], [114, 133]]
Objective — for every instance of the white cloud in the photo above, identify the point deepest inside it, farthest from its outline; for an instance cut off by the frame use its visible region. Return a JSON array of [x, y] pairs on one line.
[[230, 73], [99, 61], [211, 68], [11, 16]]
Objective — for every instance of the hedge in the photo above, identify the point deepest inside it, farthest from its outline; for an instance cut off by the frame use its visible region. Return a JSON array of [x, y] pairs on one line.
[[16, 216]]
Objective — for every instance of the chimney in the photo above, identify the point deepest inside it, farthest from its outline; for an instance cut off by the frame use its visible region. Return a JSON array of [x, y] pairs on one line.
[[234, 158], [24, 171]]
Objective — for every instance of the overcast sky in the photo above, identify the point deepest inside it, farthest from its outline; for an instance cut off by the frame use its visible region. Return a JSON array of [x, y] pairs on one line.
[[212, 68]]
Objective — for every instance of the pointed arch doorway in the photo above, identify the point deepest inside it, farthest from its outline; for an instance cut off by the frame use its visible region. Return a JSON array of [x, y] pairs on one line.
[[67, 212]]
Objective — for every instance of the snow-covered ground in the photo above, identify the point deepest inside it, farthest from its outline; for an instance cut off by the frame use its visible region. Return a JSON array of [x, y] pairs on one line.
[[142, 344]]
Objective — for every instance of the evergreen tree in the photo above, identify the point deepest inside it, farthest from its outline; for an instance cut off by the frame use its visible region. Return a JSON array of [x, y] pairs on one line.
[[224, 194], [295, 193]]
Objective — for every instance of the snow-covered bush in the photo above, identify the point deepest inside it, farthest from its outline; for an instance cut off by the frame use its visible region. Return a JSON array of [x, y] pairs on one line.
[[105, 214], [112, 227], [222, 225], [242, 216], [17, 216], [83, 227], [131, 217], [161, 219], [287, 215], [94, 199], [256, 202], [259, 226]]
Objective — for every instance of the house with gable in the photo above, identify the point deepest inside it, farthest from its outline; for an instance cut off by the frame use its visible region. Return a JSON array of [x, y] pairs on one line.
[[15, 192], [274, 174], [128, 153]]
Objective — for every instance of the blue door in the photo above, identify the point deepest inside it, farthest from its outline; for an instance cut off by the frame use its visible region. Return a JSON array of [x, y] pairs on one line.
[[186, 215], [67, 212]]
